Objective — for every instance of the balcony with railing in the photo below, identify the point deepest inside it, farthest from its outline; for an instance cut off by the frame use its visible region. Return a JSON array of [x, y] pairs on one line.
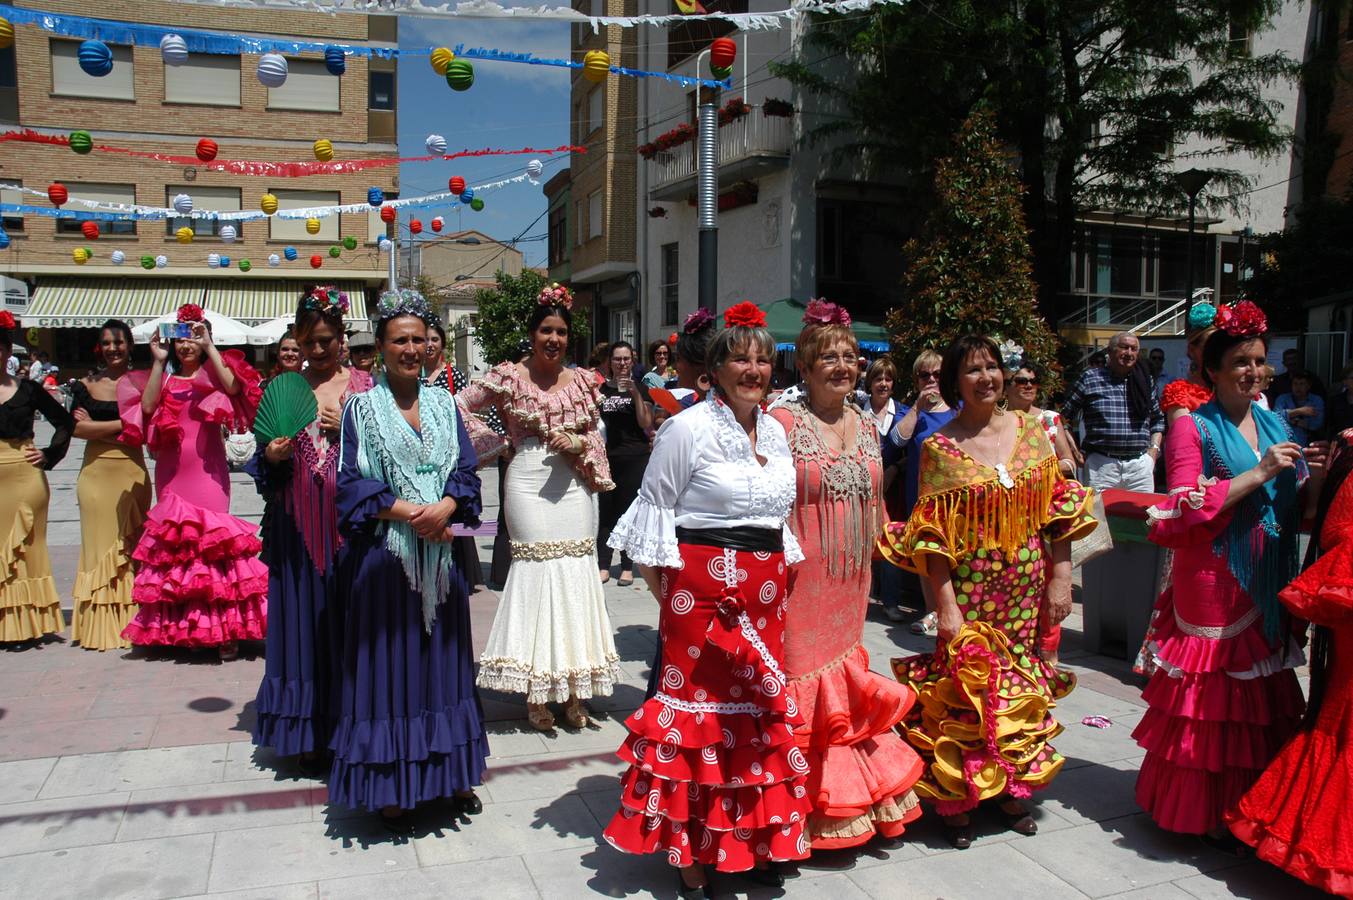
[[749, 147], [1146, 316]]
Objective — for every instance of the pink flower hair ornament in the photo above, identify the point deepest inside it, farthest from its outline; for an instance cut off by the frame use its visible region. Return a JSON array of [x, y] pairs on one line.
[[555, 294], [1242, 319], [823, 312], [324, 297], [697, 321]]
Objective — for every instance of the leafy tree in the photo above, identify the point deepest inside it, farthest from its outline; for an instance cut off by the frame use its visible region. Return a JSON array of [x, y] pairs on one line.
[[1088, 94], [1313, 258], [504, 310], [969, 271]]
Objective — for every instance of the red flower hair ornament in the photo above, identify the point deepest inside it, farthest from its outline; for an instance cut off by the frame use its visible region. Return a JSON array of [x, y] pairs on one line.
[[823, 312], [745, 314], [7, 319], [1242, 319], [191, 312]]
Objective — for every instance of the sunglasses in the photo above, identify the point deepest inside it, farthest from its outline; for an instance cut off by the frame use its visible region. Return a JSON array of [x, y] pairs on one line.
[[927, 376], [1025, 381]]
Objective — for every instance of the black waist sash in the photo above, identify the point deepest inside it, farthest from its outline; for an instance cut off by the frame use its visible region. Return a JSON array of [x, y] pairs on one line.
[[742, 537]]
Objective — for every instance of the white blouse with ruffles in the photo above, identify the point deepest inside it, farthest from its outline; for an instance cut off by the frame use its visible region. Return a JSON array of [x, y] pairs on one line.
[[703, 474]]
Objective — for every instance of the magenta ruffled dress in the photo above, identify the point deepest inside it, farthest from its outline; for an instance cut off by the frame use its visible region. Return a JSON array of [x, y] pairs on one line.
[[200, 582]]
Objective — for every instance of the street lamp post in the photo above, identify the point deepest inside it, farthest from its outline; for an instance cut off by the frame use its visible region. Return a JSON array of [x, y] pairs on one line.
[[1191, 182], [707, 193]]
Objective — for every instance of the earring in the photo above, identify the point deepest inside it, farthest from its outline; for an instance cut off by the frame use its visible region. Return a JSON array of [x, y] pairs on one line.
[[1001, 406]]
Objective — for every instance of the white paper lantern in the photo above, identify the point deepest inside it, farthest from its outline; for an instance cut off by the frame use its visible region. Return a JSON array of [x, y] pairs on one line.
[[174, 50], [183, 204], [436, 145], [274, 260], [161, 262], [228, 233], [534, 168], [118, 257], [272, 70], [383, 244], [213, 260]]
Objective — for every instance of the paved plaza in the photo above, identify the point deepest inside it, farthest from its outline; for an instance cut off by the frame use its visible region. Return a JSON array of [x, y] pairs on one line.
[[132, 775]]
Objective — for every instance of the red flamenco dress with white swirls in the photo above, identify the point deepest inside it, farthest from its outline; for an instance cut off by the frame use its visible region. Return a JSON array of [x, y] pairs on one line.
[[200, 582]]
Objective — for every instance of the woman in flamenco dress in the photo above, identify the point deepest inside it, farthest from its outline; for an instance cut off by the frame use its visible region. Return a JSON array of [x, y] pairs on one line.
[[1224, 697], [992, 531], [715, 777], [1297, 814], [860, 771], [297, 702], [200, 583]]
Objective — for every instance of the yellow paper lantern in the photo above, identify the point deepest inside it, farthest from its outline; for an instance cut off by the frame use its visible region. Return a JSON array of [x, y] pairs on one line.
[[324, 150], [312, 226], [596, 66], [184, 235], [80, 255], [6, 33], [441, 58], [268, 203]]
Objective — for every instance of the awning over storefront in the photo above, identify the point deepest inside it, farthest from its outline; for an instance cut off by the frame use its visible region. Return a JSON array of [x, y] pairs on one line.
[[88, 302]]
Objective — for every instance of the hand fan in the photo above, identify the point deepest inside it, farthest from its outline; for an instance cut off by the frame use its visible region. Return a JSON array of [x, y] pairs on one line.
[[288, 405]]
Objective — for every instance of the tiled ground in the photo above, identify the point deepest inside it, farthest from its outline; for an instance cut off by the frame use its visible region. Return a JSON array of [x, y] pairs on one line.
[[132, 776]]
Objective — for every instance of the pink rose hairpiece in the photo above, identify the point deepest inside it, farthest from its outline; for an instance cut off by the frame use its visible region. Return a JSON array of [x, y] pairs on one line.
[[555, 294], [698, 321], [1242, 319], [823, 312]]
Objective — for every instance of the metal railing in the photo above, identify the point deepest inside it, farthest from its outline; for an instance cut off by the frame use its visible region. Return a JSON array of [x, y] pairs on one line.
[[755, 134], [1143, 315]]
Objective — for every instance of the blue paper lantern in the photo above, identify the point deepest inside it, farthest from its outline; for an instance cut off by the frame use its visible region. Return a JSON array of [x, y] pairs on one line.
[[289, 253], [467, 196], [335, 61], [225, 262], [272, 70], [4, 239], [375, 196], [95, 58]]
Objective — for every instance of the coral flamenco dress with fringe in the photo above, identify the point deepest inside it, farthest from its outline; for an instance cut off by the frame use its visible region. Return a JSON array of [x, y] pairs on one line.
[[200, 583], [1224, 697], [1297, 814], [983, 721], [860, 771]]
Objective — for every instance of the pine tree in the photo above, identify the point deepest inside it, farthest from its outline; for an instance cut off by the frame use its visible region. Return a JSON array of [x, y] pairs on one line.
[[969, 272]]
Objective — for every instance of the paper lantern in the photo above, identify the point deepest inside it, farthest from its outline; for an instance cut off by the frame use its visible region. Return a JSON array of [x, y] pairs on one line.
[[375, 196], [324, 150], [90, 230], [350, 243], [723, 74], [534, 168], [118, 257], [596, 66], [274, 260], [436, 145], [81, 142], [174, 50], [722, 52], [383, 243], [467, 195], [476, 204], [335, 251], [95, 58], [272, 70], [213, 260], [147, 262], [415, 226], [4, 239], [268, 203], [316, 261], [80, 255], [225, 262], [312, 226], [183, 204], [457, 185], [184, 235], [245, 265], [460, 74], [336, 62], [6, 36], [441, 58], [56, 192], [206, 149], [437, 223], [161, 261], [388, 213], [228, 233], [289, 253]]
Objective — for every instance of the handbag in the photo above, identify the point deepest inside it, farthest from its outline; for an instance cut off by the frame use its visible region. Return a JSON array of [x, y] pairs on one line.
[[1097, 542], [239, 448]]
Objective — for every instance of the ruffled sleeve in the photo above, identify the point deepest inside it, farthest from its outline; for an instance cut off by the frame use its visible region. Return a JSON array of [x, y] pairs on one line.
[[240, 406], [481, 393], [463, 484], [476, 397], [1183, 394], [595, 466], [1070, 514], [647, 530], [129, 390], [1323, 594], [907, 544], [62, 422], [359, 499], [1192, 512]]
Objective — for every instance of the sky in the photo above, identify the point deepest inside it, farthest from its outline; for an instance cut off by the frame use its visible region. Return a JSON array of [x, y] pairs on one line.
[[510, 105]]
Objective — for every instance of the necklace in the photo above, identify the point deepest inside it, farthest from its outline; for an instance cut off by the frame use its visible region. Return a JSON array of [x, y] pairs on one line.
[[1002, 473], [839, 429]]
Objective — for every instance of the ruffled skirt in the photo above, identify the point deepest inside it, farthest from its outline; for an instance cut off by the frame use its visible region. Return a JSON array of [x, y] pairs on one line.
[[715, 777], [29, 605], [200, 583], [114, 494]]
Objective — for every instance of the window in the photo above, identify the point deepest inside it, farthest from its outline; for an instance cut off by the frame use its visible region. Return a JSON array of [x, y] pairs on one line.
[[596, 109], [381, 90], [294, 229], [671, 272], [685, 39], [102, 193], [12, 222], [204, 80], [594, 215], [309, 88], [220, 199], [375, 225], [1239, 39], [69, 80], [9, 69], [558, 234]]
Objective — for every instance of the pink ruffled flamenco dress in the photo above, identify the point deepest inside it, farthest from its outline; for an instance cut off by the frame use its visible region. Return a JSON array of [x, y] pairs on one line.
[[200, 582]]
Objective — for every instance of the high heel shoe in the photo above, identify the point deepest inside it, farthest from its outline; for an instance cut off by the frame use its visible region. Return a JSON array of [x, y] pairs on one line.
[[768, 875], [540, 717], [575, 715], [686, 892]]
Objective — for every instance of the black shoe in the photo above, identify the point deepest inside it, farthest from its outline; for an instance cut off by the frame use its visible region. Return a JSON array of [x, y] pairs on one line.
[[770, 875], [1020, 821], [686, 892], [469, 804], [400, 825], [959, 836], [314, 765]]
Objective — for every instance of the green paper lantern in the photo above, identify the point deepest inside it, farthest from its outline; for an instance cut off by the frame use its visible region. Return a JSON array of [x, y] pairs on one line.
[[245, 265], [147, 262], [350, 242], [476, 204], [81, 142], [459, 74], [335, 251]]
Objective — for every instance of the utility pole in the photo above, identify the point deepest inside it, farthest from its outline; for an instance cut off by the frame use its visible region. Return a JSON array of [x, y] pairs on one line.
[[1191, 182], [707, 195]]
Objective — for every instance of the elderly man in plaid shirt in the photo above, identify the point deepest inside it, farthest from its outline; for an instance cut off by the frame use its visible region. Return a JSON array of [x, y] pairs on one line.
[[1124, 426]]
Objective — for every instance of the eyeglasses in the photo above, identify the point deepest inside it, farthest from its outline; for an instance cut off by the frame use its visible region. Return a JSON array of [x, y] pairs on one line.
[[927, 376], [833, 359], [1025, 381]]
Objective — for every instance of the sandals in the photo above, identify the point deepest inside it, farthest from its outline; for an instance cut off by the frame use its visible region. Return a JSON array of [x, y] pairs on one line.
[[626, 579], [927, 625], [575, 714], [540, 717]]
